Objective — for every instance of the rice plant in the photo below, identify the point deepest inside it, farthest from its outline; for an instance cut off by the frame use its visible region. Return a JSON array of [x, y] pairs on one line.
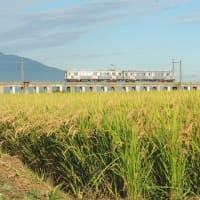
[[114, 145]]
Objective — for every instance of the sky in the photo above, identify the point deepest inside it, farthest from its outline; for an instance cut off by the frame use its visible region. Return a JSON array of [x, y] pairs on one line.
[[104, 34]]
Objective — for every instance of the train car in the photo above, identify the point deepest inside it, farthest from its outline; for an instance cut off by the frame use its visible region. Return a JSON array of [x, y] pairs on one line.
[[117, 75], [98, 75], [163, 76], [155, 76], [129, 76], [74, 76]]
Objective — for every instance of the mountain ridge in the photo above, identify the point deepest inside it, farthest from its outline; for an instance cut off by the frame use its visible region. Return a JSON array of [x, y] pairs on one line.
[[10, 70]]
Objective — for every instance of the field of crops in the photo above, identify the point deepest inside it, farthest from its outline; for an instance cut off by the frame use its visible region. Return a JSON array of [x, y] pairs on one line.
[[134, 146]]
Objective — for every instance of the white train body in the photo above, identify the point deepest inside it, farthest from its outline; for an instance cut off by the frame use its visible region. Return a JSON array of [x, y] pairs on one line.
[[116, 75]]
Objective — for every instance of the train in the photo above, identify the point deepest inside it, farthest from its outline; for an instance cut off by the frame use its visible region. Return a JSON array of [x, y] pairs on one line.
[[119, 75]]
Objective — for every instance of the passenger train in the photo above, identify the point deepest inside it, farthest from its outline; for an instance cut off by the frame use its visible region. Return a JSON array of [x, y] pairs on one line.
[[117, 75]]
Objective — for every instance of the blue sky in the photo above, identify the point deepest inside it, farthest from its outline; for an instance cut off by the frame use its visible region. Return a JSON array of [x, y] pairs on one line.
[[95, 34]]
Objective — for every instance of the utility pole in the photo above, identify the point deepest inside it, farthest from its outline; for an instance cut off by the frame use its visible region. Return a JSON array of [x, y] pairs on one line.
[[180, 68], [22, 69], [173, 65], [180, 72], [25, 84]]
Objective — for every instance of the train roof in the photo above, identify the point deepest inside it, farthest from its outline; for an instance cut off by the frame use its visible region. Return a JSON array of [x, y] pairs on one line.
[[128, 70]]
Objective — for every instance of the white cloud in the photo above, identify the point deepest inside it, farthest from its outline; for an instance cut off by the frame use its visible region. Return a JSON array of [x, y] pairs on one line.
[[191, 18], [55, 27]]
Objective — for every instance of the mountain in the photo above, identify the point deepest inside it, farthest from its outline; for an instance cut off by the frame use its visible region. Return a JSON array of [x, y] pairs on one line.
[[10, 70]]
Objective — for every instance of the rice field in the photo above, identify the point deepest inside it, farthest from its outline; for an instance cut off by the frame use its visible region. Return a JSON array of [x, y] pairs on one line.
[[114, 145]]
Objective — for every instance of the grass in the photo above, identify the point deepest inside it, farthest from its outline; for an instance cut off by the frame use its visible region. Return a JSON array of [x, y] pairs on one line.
[[114, 145], [18, 182]]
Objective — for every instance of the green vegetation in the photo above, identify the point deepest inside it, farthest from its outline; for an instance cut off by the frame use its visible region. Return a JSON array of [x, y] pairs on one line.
[[117, 145]]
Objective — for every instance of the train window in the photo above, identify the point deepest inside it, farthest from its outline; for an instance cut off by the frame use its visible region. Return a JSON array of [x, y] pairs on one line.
[[75, 73], [159, 74], [113, 73], [126, 74], [119, 74], [95, 73]]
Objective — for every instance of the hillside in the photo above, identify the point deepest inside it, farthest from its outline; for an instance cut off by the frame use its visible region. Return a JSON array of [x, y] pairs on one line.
[[10, 70]]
